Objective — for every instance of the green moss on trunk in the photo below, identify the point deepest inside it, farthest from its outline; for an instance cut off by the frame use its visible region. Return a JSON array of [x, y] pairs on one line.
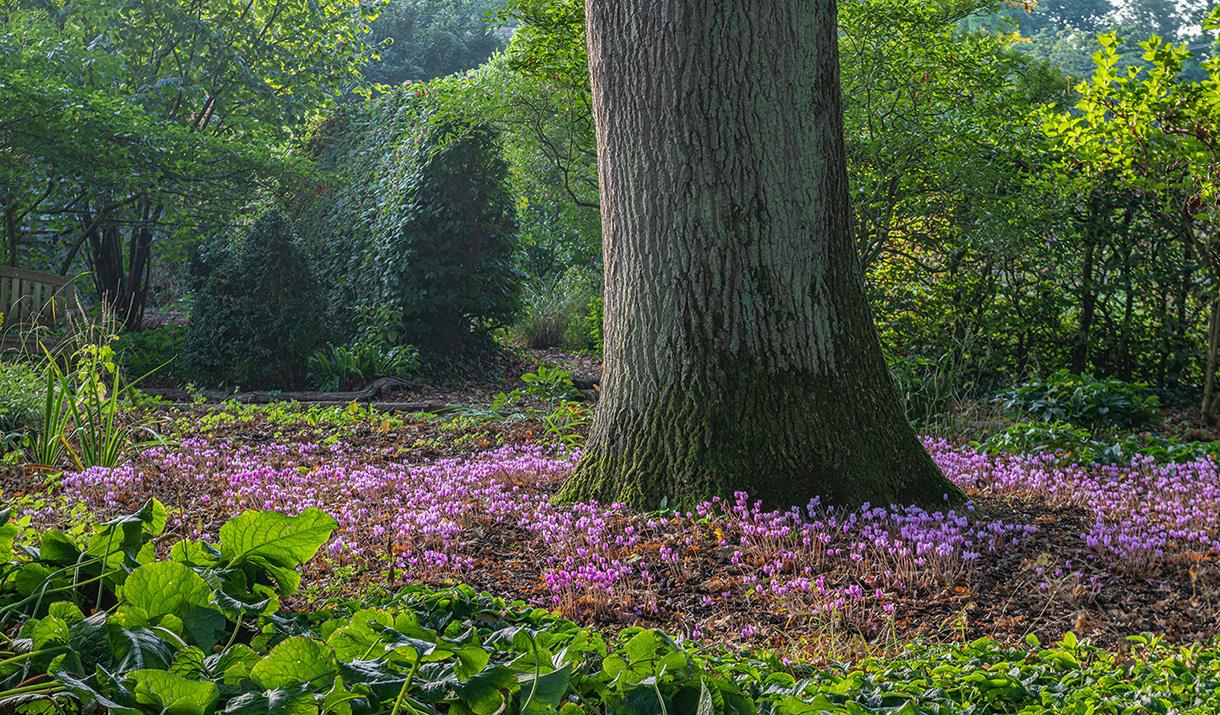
[[781, 440]]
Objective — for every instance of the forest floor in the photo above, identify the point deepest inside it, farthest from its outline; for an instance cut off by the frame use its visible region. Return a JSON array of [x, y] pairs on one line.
[[1044, 547]]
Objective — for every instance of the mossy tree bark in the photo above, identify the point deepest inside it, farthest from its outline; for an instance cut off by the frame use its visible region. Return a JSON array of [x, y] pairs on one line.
[[740, 351]]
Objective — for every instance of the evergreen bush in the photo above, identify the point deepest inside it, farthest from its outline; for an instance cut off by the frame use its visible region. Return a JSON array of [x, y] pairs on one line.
[[256, 316]]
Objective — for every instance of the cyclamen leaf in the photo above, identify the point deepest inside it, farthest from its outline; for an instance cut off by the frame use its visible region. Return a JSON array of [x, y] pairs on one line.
[[279, 539], [172, 693]]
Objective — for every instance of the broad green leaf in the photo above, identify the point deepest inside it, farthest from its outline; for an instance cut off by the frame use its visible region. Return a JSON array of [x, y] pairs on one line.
[[295, 661], [166, 588], [298, 700], [50, 631], [172, 693], [357, 640], [641, 648], [279, 539], [472, 659], [88, 694], [55, 547], [234, 664], [138, 648], [545, 690], [487, 692], [197, 554]]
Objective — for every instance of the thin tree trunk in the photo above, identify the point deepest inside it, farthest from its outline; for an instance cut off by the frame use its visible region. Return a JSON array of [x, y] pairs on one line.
[[12, 233], [1208, 408], [740, 350], [1088, 292]]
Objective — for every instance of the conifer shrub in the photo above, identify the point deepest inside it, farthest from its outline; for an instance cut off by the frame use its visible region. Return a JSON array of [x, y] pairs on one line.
[[257, 313]]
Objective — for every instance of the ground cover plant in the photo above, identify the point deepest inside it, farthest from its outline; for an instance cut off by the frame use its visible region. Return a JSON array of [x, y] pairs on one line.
[[101, 621], [1045, 545]]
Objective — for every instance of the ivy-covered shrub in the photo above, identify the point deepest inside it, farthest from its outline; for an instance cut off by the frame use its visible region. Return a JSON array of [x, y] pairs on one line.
[[1084, 401], [257, 313], [414, 220]]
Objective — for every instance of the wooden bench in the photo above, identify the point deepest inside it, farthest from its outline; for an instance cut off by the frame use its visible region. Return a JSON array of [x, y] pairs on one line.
[[30, 298]]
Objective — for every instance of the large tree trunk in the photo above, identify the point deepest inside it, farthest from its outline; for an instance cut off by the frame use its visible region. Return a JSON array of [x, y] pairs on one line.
[[740, 351]]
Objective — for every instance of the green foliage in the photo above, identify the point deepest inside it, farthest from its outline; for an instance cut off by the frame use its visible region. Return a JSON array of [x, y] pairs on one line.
[[1084, 401], [155, 352], [204, 631], [564, 312], [1079, 446], [564, 415], [416, 221], [1042, 437], [549, 395], [932, 391], [537, 94], [549, 383], [257, 313], [418, 40], [343, 367], [81, 414], [21, 397], [568, 423], [329, 422], [157, 122]]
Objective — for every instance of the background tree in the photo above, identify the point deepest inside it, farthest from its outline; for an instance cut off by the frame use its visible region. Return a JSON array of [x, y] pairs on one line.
[[197, 101], [418, 40], [740, 352], [1149, 133]]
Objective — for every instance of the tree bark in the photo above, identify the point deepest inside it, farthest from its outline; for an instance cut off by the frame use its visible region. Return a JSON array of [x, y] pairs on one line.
[[740, 350], [1207, 410]]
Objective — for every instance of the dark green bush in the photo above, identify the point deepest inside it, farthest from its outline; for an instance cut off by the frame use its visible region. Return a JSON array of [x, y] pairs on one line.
[[257, 312], [1084, 401], [415, 221], [156, 353]]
